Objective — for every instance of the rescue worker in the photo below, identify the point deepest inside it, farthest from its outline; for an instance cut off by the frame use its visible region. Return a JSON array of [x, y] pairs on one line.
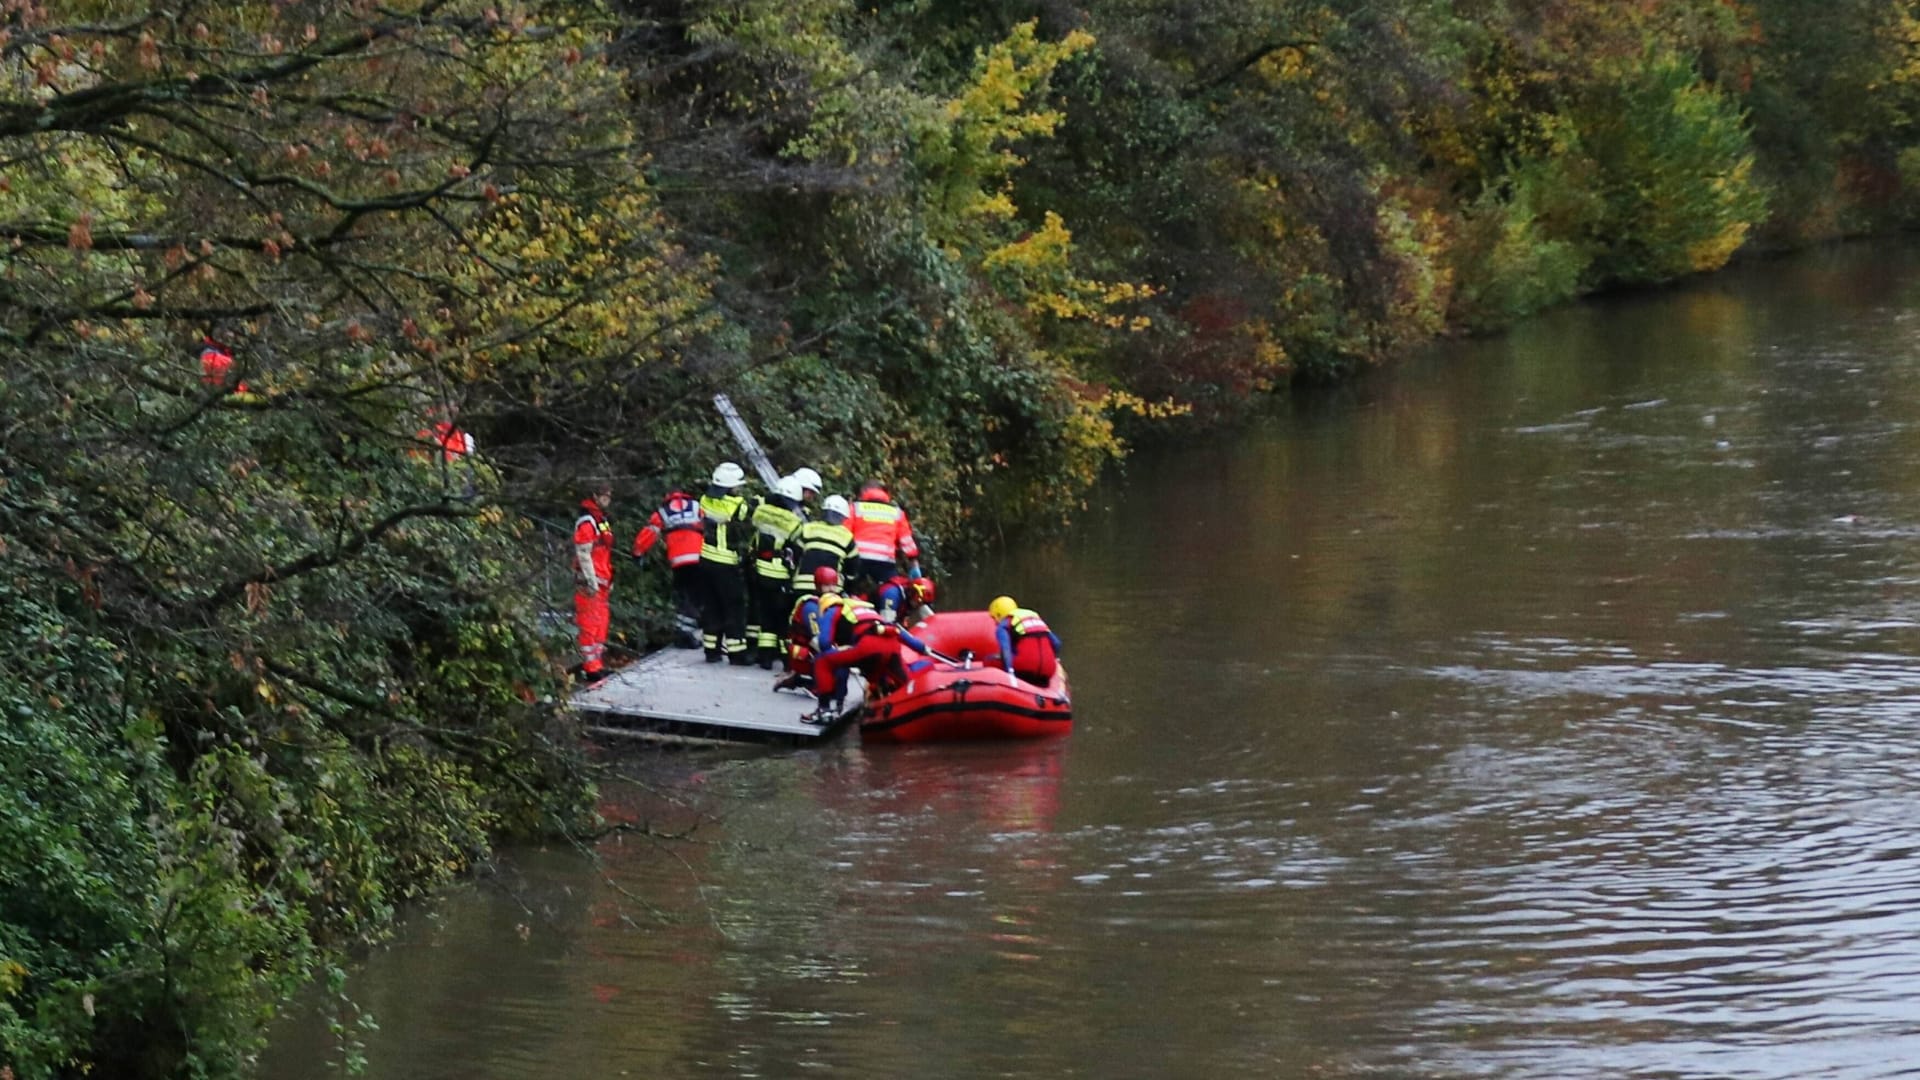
[[852, 636], [1027, 647], [454, 443], [593, 581], [809, 487], [725, 538], [678, 521], [881, 535], [803, 629], [216, 366], [825, 543], [903, 599], [769, 587]]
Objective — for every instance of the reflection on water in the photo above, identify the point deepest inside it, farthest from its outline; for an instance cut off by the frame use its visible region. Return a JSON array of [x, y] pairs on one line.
[[1544, 708]]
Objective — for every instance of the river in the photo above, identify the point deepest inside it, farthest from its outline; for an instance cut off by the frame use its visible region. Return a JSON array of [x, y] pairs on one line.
[[1543, 707]]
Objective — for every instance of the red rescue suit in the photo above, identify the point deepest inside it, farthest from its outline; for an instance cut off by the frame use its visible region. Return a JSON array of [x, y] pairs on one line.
[[1032, 648], [862, 641], [454, 443], [590, 610], [216, 367], [803, 631]]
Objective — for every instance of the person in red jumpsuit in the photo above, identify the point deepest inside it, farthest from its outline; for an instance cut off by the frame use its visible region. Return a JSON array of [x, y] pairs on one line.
[[803, 628], [1027, 647], [593, 581], [852, 635]]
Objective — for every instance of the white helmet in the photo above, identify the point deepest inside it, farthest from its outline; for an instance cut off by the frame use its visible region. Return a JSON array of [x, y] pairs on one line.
[[809, 480], [837, 504], [728, 475], [788, 488]]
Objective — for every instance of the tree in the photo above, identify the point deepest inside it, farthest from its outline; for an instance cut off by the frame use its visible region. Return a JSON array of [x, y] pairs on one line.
[[285, 665]]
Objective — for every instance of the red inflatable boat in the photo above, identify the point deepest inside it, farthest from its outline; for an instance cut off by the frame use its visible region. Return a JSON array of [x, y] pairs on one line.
[[971, 700]]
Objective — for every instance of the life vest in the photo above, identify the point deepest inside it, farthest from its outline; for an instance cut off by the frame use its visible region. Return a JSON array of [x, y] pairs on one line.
[[1024, 622], [880, 529], [592, 528], [723, 524], [853, 619], [773, 525], [803, 626], [819, 544], [678, 519]]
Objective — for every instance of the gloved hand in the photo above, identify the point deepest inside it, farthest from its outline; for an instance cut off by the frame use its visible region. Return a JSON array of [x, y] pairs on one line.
[[592, 583], [913, 569]]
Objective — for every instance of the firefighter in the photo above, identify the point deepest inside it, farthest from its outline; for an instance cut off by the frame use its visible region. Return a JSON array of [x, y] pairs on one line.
[[678, 521], [903, 599], [725, 538], [825, 543], [852, 635], [593, 581], [803, 629], [769, 587], [1027, 647], [809, 487], [880, 535]]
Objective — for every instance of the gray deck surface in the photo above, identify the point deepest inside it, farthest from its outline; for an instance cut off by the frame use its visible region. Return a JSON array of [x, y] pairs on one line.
[[678, 687]]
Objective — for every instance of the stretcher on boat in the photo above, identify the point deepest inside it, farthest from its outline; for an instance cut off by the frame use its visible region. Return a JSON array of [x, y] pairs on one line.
[[971, 699]]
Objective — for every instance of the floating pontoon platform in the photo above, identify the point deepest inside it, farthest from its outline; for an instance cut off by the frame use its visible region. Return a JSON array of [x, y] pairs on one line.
[[674, 695]]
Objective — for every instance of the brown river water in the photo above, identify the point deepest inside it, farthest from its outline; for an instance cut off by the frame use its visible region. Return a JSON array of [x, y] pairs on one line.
[[1546, 706]]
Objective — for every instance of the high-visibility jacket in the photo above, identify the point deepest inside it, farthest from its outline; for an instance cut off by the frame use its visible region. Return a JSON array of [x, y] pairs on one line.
[[453, 442], [775, 521], [1023, 622], [678, 519], [592, 528], [880, 529], [816, 544], [724, 528]]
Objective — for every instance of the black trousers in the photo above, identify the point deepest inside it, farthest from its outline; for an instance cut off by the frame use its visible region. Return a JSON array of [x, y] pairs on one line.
[[874, 571], [723, 609], [769, 603], [686, 604]]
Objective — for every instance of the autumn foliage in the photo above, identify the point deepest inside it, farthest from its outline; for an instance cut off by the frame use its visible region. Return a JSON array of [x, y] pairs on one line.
[[275, 664]]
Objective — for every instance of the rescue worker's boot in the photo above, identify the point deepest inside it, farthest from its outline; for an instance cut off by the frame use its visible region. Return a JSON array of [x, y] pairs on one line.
[[827, 712], [711, 642]]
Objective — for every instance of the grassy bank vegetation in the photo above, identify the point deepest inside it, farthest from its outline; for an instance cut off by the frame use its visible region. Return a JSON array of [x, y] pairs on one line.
[[274, 667]]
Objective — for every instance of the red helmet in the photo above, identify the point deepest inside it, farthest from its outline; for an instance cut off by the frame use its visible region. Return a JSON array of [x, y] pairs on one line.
[[826, 576], [923, 590]]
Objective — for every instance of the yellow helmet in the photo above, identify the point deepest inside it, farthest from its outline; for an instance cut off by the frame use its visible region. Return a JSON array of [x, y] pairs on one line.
[[1002, 607]]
